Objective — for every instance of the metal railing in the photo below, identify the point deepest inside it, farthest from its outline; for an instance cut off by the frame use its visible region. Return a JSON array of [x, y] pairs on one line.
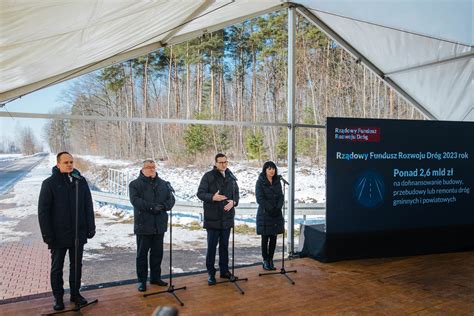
[[196, 207], [118, 182]]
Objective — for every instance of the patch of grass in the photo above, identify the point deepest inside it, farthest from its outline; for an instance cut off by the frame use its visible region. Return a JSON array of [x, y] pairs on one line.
[[81, 164], [194, 225], [127, 221], [244, 229], [297, 232]]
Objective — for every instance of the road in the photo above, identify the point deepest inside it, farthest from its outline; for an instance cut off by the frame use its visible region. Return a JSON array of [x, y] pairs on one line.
[[11, 171]]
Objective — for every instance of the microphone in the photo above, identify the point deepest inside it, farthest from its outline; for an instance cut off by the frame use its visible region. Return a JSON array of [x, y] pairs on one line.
[[283, 179], [75, 174], [169, 186], [231, 175]]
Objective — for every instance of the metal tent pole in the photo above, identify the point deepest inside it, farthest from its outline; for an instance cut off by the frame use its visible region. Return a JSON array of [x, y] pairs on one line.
[[291, 126]]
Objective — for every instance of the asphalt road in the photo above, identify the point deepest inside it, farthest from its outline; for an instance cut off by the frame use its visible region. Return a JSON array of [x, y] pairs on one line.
[[11, 171]]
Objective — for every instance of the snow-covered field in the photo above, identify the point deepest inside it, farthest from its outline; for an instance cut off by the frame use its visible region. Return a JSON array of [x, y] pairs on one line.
[[115, 225], [310, 182]]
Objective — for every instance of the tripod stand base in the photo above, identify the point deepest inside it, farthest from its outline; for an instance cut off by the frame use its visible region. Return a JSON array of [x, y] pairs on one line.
[[282, 272], [75, 309], [234, 280], [171, 289]]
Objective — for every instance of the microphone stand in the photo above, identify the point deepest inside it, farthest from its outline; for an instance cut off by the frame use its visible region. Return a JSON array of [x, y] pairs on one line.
[[171, 289], [233, 279], [77, 307], [282, 269]]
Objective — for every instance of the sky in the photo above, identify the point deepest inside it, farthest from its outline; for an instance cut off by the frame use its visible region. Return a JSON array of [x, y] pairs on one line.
[[42, 101]]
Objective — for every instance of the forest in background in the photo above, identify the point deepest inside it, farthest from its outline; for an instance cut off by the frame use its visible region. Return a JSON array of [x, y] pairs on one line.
[[236, 74]]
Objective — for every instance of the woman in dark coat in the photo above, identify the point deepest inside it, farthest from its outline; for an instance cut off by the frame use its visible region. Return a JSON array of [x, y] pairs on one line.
[[270, 220]]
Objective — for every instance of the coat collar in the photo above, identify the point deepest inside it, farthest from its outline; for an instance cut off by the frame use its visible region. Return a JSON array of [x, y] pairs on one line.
[[57, 173], [263, 177], [147, 179]]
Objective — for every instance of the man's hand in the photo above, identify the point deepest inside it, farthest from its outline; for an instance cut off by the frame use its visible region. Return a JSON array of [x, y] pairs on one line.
[[157, 209], [218, 197], [229, 205], [90, 234]]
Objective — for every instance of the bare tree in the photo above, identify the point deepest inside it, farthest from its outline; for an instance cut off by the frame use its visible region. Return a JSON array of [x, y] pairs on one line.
[[28, 143]]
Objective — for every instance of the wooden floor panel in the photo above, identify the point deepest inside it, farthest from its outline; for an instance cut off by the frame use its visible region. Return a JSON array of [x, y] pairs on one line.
[[441, 284]]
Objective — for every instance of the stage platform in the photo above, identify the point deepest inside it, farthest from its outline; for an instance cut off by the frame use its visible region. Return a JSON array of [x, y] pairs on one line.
[[422, 285]]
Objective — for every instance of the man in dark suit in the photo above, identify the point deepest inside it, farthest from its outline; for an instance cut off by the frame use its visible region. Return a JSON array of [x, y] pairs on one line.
[[220, 193], [57, 207], [151, 198]]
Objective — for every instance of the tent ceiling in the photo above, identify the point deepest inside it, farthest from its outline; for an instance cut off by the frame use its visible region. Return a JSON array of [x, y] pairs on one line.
[[424, 47]]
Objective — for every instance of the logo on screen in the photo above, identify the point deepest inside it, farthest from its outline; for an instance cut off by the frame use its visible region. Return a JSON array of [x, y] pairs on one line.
[[369, 189], [357, 134]]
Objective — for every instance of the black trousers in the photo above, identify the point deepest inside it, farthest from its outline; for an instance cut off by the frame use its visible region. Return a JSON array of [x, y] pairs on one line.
[[268, 246], [214, 237], [57, 265], [152, 244]]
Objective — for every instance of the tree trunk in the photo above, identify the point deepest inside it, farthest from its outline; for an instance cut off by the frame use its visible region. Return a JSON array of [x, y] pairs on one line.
[[254, 85], [221, 93], [188, 108], [177, 98], [170, 68], [211, 94], [145, 103]]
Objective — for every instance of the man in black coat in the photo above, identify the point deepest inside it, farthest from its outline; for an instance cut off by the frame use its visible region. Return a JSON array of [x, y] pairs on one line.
[[220, 193], [57, 220], [151, 198]]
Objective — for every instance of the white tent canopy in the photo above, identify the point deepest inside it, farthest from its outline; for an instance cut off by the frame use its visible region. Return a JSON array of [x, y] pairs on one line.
[[421, 48]]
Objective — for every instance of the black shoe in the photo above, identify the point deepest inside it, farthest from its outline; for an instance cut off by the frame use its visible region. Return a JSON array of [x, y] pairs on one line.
[[266, 265], [211, 279], [78, 299], [58, 304], [272, 266], [141, 286], [159, 282], [226, 275]]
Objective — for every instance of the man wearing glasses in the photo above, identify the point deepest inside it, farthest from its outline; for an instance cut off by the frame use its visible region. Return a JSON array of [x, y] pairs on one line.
[[220, 193], [151, 198]]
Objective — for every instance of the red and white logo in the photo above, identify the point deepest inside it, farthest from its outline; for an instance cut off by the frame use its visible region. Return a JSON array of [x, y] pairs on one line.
[[358, 134]]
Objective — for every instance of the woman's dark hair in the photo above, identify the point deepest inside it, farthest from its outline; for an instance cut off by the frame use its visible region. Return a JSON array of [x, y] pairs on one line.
[[270, 164]]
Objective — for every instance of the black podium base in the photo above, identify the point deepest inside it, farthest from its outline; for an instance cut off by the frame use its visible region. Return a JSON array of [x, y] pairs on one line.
[[326, 247]]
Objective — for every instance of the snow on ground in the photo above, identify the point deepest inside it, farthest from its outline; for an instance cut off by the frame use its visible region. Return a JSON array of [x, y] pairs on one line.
[[25, 198], [115, 225], [310, 181], [98, 160]]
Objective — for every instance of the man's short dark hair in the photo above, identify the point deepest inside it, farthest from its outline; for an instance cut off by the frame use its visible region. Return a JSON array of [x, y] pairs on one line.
[[219, 155], [58, 156]]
